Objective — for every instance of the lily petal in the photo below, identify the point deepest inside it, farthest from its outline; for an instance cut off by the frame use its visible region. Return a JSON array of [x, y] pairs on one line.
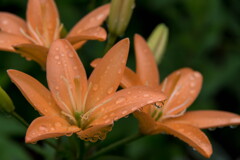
[[8, 40], [95, 133], [106, 77], [209, 119], [11, 23], [189, 134], [36, 94], [66, 76], [182, 87], [146, 122], [43, 20], [33, 52], [122, 103], [129, 78], [93, 19], [95, 33], [146, 65], [49, 127]]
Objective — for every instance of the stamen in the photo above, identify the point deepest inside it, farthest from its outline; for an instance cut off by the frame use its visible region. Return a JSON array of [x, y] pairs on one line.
[[34, 34], [158, 116], [177, 115], [85, 97], [74, 107], [164, 85], [96, 107], [65, 109], [178, 107], [69, 116], [78, 98], [27, 36], [57, 30], [171, 97]]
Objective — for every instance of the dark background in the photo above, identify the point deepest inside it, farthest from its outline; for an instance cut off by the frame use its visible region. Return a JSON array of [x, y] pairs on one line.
[[203, 35]]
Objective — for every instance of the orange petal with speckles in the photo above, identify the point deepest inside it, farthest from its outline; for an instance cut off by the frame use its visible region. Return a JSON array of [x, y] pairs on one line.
[[95, 33], [48, 127], [95, 133], [209, 119], [121, 104], [145, 62], [43, 18], [11, 23], [129, 78], [93, 19], [66, 75], [8, 40], [36, 94], [182, 87], [106, 77], [189, 134], [33, 52]]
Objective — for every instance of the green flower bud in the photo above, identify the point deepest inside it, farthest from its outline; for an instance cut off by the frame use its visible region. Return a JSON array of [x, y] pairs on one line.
[[157, 41], [119, 17], [6, 103]]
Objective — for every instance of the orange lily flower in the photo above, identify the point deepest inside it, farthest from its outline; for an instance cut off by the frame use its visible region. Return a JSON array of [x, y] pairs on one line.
[[75, 104], [181, 87], [32, 38]]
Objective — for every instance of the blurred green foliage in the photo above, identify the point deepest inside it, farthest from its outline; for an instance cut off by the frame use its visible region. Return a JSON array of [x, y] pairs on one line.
[[204, 35]]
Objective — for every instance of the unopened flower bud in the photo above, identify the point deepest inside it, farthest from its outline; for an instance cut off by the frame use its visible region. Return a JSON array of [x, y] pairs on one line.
[[157, 41], [6, 103], [120, 14]]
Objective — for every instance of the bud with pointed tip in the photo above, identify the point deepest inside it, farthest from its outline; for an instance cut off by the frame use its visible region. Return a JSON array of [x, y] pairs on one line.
[[157, 41], [6, 103], [119, 17]]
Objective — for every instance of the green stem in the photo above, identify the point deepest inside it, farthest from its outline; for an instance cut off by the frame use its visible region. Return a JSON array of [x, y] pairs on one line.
[[111, 40], [19, 118], [117, 144]]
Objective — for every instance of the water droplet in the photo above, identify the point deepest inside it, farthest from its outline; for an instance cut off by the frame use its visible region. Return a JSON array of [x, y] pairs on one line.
[[70, 55], [52, 129], [124, 112], [57, 87], [58, 124], [197, 74], [120, 100], [57, 49], [110, 90], [192, 91], [107, 121], [43, 128], [56, 57], [100, 16], [62, 55], [69, 134], [233, 126], [192, 84], [59, 63], [95, 87], [134, 108], [146, 95], [75, 67], [119, 71], [4, 22], [211, 129]]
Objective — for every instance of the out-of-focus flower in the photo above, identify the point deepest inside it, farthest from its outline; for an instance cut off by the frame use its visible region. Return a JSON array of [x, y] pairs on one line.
[[75, 104], [157, 41], [6, 103], [181, 88], [32, 38]]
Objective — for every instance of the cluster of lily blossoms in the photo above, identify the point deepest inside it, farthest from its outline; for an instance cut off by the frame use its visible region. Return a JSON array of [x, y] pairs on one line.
[[88, 107]]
